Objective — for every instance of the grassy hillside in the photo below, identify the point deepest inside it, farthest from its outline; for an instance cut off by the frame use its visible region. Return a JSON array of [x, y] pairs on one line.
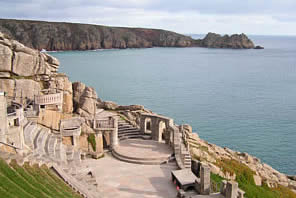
[[30, 182], [244, 177]]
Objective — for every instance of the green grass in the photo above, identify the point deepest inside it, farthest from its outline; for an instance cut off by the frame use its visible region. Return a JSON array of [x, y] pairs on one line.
[[31, 182], [244, 177], [216, 180]]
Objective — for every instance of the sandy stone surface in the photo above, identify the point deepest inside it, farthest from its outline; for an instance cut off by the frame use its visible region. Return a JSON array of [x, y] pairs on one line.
[[125, 180], [138, 148]]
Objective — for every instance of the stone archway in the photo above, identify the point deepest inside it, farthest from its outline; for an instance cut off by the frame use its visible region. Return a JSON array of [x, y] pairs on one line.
[[162, 130]]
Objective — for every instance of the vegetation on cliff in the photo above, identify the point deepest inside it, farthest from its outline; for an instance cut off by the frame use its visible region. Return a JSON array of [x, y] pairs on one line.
[[244, 177], [27, 181]]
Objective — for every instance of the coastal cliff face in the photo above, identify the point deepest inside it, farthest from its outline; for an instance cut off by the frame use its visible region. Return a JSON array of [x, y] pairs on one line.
[[72, 36], [55, 36]]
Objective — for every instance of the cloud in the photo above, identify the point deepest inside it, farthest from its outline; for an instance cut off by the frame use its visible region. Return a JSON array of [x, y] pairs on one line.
[[188, 16]]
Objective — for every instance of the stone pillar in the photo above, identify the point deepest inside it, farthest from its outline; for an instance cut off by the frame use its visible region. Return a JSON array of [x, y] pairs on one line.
[[223, 187], [240, 193], [142, 124], [205, 179], [195, 167], [99, 143], [231, 189], [114, 135], [3, 117], [76, 141], [154, 129]]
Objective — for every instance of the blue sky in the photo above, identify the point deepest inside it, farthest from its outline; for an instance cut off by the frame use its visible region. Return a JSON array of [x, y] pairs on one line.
[[265, 17]]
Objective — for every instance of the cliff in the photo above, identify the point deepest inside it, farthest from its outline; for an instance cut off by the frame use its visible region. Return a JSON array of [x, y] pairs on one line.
[[73, 36], [54, 36]]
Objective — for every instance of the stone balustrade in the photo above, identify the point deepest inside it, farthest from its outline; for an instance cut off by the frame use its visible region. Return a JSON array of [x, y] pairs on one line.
[[103, 124], [56, 98]]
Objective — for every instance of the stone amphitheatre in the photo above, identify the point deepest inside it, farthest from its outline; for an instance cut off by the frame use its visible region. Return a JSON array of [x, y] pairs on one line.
[[101, 149]]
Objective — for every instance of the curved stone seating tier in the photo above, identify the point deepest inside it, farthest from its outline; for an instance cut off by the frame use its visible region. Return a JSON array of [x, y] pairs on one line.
[[142, 152], [73, 156], [128, 131], [48, 147]]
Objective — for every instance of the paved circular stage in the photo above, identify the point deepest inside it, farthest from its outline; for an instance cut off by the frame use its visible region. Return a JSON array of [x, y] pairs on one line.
[[142, 151]]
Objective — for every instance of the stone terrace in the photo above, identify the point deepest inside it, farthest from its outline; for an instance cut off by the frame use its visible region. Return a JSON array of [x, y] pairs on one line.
[[126, 180]]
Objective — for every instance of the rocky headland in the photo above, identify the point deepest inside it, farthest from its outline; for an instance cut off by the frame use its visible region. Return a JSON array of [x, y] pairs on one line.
[[55, 36]]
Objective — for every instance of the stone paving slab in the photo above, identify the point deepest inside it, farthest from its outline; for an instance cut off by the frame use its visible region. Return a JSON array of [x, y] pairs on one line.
[[138, 148], [125, 180]]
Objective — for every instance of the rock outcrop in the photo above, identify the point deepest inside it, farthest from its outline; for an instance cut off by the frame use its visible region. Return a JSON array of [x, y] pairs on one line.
[[211, 154], [235, 41], [26, 73], [85, 100], [54, 36]]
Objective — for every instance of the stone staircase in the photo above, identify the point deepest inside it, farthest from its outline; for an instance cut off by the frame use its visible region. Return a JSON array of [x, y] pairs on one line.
[[127, 131], [85, 176]]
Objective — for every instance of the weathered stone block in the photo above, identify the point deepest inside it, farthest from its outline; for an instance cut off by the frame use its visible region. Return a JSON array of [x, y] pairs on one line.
[[5, 58]]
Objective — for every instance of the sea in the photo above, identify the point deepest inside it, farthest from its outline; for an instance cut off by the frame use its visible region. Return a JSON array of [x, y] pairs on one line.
[[241, 99]]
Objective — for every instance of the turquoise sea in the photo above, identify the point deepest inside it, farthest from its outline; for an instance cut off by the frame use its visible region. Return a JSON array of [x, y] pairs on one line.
[[242, 99]]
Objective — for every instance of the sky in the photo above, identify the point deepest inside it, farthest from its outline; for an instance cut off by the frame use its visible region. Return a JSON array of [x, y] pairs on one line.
[[261, 17]]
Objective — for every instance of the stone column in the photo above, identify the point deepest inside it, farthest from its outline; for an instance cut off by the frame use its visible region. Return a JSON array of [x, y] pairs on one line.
[[114, 135], [231, 189], [154, 129], [76, 141], [223, 187], [99, 143], [142, 124], [205, 179]]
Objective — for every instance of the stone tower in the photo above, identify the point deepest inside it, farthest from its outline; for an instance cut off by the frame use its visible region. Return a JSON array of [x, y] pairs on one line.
[[3, 117]]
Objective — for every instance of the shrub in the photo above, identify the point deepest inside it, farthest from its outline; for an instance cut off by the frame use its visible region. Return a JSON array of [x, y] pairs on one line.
[[92, 140]]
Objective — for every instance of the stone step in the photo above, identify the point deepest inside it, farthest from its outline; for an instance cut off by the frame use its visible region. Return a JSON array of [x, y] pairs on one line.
[[36, 138], [129, 133], [47, 144], [145, 162], [28, 132], [59, 155], [26, 123], [124, 126], [51, 146], [151, 158], [128, 129], [41, 141], [130, 137]]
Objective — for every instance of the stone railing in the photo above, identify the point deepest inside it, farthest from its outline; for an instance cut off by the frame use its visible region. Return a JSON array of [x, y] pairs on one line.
[[100, 124], [56, 98], [70, 127]]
